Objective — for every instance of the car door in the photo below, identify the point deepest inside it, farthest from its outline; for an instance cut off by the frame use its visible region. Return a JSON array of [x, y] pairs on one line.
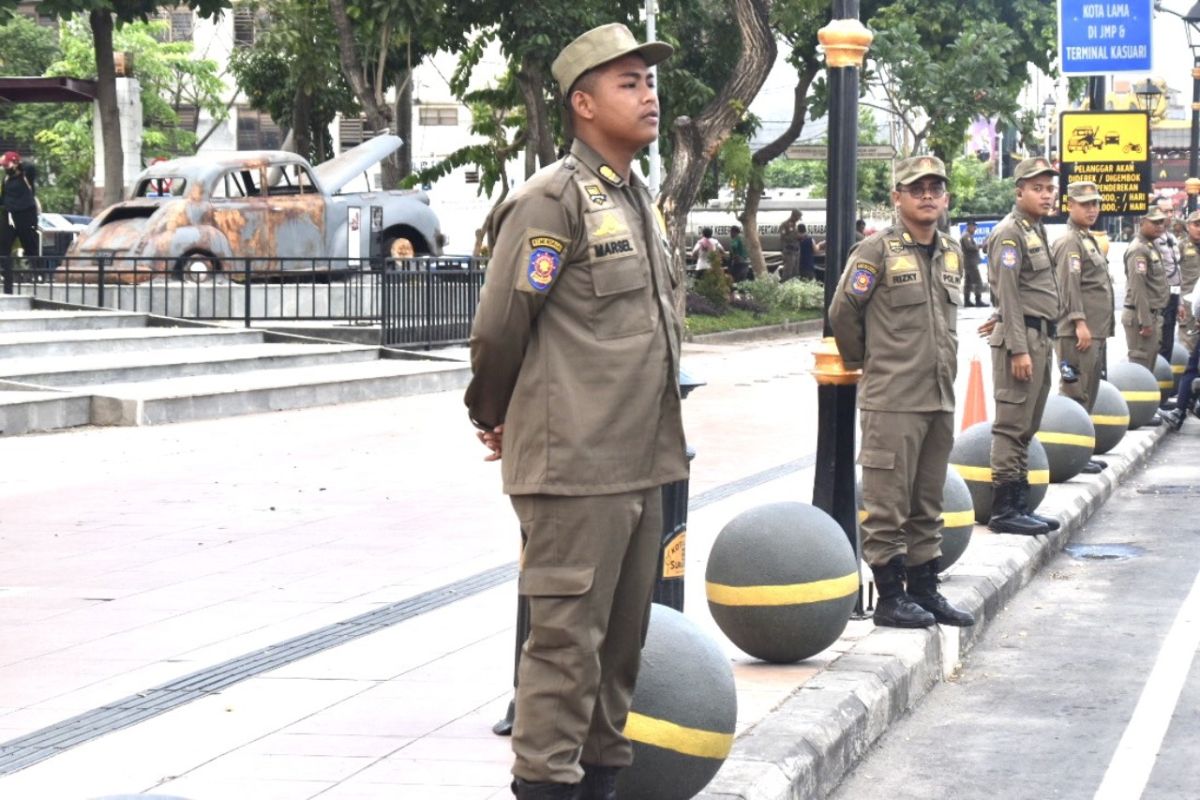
[[297, 216], [239, 210]]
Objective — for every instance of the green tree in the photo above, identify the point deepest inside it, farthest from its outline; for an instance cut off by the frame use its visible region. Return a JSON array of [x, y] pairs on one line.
[[169, 78], [104, 16], [874, 177], [291, 72], [974, 190], [940, 65]]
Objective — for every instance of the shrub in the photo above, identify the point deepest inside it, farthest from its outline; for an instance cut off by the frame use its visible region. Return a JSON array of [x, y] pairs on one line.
[[747, 304], [715, 286], [698, 304]]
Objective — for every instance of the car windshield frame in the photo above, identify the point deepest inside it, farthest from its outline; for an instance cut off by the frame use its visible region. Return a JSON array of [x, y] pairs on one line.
[[162, 186]]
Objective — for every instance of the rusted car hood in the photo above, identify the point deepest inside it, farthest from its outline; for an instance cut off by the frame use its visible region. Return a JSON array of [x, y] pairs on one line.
[[119, 228], [340, 170]]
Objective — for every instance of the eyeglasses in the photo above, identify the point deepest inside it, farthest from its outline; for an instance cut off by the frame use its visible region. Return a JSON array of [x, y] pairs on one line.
[[934, 190]]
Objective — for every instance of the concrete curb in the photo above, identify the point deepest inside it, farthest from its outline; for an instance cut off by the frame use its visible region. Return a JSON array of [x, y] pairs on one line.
[[757, 334], [805, 747]]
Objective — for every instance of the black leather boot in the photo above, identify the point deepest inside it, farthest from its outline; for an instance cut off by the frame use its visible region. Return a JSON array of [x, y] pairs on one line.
[[922, 588], [599, 782], [1023, 506], [529, 790], [894, 608], [1006, 514]]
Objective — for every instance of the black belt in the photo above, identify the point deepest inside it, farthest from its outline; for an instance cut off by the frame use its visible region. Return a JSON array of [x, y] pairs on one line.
[[1152, 311], [1038, 324]]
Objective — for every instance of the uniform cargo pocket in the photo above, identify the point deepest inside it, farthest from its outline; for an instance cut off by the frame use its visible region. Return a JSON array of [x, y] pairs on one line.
[[618, 277], [555, 581], [1011, 395], [877, 459]]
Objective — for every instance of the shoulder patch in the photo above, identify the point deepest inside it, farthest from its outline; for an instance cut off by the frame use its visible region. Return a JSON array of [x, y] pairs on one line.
[[1009, 242], [1009, 257], [1074, 263], [863, 279], [1140, 264], [545, 257]]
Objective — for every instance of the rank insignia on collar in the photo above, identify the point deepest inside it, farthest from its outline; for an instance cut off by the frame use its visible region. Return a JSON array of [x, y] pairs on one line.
[[907, 238], [609, 174], [595, 194]]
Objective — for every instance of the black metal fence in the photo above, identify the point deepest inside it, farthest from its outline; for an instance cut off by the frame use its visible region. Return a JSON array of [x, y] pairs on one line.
[[418, 302]]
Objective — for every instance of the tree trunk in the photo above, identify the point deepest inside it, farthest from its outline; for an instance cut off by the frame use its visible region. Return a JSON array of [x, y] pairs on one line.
[[302, 125], [696, 141], [106, 103], [531, 79], [768, 153], [379, 114], [404, 122]]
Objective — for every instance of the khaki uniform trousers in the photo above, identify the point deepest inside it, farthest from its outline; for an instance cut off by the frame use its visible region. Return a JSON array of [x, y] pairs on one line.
[[1087, 363], [1019, 406], [904, 456], [1142, 349], [1189, 331], [588, 569]]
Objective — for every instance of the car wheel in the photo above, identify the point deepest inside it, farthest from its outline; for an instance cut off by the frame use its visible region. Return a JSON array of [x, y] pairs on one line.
[[397, 250], [197, 267]]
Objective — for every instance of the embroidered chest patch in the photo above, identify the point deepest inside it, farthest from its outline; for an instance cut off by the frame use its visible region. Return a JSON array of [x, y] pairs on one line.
[[950, 259]]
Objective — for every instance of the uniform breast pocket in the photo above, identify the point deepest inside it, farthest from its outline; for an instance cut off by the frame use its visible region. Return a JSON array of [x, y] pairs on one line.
[[622, 299], [908, 295], [1039, 259]]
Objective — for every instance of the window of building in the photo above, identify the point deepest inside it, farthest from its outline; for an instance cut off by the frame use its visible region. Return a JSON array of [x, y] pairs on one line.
[[248, 24], [352, 131], [257, 131], [438, 115], [472, 175]]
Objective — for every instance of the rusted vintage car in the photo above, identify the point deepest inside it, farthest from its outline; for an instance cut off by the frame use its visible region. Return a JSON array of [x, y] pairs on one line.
[[205, 214]]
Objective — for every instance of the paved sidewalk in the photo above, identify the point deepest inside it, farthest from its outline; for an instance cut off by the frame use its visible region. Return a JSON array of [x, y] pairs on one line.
[[137, 557]]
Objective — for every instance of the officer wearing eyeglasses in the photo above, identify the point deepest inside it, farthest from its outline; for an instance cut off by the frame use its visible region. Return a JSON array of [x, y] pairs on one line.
[[1024, 289], [895, 316]]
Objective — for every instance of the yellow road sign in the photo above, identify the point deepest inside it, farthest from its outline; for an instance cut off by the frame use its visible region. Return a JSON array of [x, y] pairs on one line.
[[1104, 137]]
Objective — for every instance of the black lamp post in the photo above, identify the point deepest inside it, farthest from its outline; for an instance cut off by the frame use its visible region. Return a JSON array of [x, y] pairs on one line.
[[845, 40], [1048, 106], [1148, 93]]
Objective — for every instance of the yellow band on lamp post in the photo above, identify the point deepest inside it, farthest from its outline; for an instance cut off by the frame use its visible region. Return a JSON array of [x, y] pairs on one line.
[[830, 369], [846, 42]]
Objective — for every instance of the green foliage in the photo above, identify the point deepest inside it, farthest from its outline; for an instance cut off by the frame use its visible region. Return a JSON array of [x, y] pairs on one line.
[[296, 59], [975, 191], [714, 285], [941, 65], [874, 177], [792, 296]]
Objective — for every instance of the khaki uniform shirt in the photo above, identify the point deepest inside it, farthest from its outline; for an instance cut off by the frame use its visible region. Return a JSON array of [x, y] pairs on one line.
[[970, 250], [895, 316], [1084, 283], [1189, 265], [575, 344], [1146, 289], [1021, 278]]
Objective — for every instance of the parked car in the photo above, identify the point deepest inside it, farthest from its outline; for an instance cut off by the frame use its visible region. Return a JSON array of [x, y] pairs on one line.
[[198, 215]]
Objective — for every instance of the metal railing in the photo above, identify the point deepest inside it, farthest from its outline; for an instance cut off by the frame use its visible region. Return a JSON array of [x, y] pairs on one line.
[[418, 302]]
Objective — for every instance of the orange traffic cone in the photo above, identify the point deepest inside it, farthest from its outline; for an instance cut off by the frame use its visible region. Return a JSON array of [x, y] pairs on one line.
[[975, 409]]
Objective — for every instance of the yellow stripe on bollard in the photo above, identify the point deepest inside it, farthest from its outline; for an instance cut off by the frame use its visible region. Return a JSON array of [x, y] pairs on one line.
[[786, 595], [958, 519], [1166, 384], [1177, 369], [1141, 397], [670, 736], [1106, 419], [977, 474], [1039, 476], [1073, 439]]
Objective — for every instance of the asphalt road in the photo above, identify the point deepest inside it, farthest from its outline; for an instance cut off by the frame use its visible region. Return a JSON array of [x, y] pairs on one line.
[[1085, 686]]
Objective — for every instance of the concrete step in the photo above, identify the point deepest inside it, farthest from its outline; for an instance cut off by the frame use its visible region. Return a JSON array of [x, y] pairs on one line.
[[15, 302], [28, 412], [31, 320], [41, 344], [128, 367], [213, 396]]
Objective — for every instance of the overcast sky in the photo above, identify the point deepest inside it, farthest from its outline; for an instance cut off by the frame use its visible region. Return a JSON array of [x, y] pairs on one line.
[[1172, 59]]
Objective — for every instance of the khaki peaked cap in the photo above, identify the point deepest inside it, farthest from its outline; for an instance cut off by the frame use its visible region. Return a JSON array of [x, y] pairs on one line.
[[600, 46]]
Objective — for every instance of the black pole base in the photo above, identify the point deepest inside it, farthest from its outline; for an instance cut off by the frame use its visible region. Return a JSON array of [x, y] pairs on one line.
[[504, 727]]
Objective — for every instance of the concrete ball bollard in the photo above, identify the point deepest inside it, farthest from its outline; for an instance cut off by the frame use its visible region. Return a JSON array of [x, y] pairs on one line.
[[684, 712], [1068, 435], [1139, 388], [971, 458], [1110, 417], [1165, 377], [782, 581], [958, 516], [1179, 359]]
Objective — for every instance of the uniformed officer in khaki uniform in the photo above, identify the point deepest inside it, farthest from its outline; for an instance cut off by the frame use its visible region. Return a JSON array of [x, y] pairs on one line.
[[972, 280], [575, 350], [1025, 291], [1189, 331], [895, 316], [1086, 289], [1146, 291]]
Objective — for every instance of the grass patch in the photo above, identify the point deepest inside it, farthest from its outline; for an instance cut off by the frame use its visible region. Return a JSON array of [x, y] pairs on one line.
[[737, 319]]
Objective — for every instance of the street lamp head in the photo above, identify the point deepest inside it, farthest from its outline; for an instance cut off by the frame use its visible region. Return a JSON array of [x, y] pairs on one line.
[[1149, 94], [1192, 25]]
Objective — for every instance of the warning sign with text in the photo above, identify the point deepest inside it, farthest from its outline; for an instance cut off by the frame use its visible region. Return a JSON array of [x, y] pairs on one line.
[[1111, 149]]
